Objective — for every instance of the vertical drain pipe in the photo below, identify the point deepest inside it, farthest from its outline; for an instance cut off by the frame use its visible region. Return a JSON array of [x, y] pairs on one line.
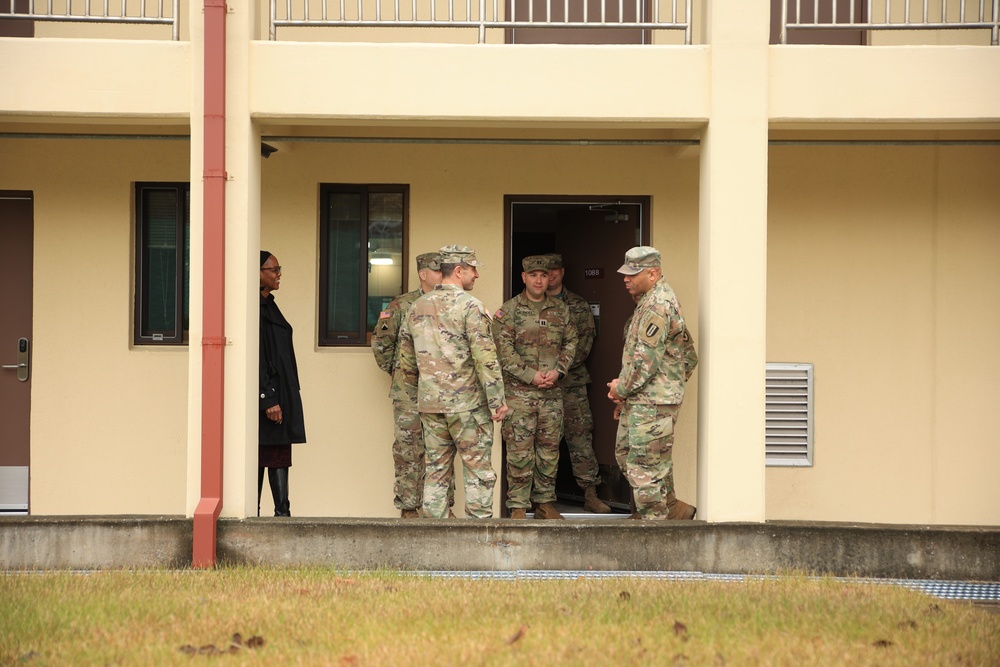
[[213, 290]]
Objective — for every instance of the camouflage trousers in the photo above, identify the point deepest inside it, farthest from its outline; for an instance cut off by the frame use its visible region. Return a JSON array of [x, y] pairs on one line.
[[470, 434], [408, 458], [578, 429], [532, 431], [644, 450]]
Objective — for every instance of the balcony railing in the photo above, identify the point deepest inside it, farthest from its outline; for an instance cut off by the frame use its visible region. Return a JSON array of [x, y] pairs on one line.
[[149, 12], [484, 15], [891, 15]]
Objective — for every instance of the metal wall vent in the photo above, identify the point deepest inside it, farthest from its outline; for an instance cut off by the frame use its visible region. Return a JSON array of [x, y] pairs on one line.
[[788, 439]]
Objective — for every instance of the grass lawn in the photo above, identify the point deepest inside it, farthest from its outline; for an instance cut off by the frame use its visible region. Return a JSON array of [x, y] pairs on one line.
[[328, 617]]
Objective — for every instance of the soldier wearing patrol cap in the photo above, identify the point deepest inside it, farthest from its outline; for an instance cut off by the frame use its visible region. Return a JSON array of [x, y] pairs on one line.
[[449, 367], [578, 421], [408, 446], [658, 359], [536, 342]]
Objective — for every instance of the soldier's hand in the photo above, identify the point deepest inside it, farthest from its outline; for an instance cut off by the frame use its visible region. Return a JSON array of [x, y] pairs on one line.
[[500, 413], [613, 391], [540, 381], [618, 411], [551, 377]]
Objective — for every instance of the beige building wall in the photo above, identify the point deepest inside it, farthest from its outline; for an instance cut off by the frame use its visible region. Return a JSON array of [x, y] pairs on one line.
[[882, 271], [456, 196], [881, 260], [108, 420]]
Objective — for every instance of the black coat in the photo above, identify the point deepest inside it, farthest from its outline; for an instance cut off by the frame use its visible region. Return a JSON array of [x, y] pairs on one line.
[[279, 378]]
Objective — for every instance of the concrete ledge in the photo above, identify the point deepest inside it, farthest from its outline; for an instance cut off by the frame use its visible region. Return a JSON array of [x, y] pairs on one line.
[[961, 553], [94, 542]]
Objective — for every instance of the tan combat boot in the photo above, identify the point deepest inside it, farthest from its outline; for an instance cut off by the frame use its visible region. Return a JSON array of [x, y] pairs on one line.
[[547, 511], [592, 503], [678, 509], [517, 513], [410, 514]]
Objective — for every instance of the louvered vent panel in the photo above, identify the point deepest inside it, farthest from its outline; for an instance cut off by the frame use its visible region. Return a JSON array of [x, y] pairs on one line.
[[788, 440]]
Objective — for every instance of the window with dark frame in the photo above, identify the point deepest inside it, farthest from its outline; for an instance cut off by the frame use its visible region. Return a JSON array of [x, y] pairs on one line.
[[362, 255], [162, 263]]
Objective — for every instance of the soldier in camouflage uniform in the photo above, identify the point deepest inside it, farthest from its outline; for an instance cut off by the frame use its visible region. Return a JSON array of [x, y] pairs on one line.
[[536, 342], [449, 367], [578, 421], [658, 359], [408, 446]]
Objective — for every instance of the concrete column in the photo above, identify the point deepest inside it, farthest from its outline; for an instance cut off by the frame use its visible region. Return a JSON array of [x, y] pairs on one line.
[[242, 260], [242, 275], [733, 265]]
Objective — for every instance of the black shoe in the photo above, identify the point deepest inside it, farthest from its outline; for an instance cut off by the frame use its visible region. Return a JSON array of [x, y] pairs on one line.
[[278, 479]]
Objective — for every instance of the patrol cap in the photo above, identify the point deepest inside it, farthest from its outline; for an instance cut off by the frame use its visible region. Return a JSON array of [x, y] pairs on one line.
[[639, 258], [535, 263], [554, 259], [429, 260], [458, 254]]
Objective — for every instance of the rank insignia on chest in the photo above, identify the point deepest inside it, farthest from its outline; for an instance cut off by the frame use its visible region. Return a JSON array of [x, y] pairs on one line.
[[543, 323]]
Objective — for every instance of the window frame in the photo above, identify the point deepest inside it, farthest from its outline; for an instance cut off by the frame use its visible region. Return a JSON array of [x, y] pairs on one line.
[[324, 337], [182, 278]]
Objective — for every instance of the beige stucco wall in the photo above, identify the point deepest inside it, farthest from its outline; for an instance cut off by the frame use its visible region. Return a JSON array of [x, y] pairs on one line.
[[456, 196], [108, 421], [888, 232], [882, 271]]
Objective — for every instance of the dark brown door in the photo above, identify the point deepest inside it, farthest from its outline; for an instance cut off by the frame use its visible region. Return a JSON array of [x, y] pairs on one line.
[[825, 15], [592, 234], [16, 230], [543, 11], [16, 27]]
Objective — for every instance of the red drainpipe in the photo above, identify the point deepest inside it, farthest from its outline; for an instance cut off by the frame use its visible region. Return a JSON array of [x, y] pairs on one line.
[[214, 288]]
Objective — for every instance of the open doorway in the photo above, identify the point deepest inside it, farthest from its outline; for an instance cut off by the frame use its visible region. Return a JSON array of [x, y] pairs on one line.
[[592, 234]]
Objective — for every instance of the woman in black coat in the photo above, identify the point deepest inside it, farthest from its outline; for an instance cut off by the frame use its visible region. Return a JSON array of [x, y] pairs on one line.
[[281, 421]]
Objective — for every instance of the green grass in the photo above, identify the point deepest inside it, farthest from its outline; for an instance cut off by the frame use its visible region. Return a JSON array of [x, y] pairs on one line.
[[326, 617]]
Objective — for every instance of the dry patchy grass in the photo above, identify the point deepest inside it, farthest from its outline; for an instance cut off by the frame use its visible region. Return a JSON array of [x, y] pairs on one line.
[[325, 617]]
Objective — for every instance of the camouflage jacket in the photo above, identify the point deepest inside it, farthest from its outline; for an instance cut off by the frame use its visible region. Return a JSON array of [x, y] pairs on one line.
[[447, 358], [586, 330], [533, 337], [385, 337], [659, 355]]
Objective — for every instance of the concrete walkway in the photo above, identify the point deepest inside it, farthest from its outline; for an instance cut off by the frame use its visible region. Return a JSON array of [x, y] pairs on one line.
[[955, 553]]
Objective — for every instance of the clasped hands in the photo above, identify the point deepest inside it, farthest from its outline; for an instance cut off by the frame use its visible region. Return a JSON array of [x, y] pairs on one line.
[[546, 379]]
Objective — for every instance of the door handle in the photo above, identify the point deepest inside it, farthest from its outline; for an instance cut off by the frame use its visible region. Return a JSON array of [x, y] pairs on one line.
[[22, 360]]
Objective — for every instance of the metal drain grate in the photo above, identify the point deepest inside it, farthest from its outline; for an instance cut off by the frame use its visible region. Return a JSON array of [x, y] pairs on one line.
[[973, 591]]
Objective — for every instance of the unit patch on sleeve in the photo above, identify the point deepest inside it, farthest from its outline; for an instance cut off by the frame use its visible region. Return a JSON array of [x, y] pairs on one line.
[[653, 330]]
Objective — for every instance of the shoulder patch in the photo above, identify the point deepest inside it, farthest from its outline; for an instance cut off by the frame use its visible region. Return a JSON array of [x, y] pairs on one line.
[[499, 313], [652, 330], [385, 314]]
